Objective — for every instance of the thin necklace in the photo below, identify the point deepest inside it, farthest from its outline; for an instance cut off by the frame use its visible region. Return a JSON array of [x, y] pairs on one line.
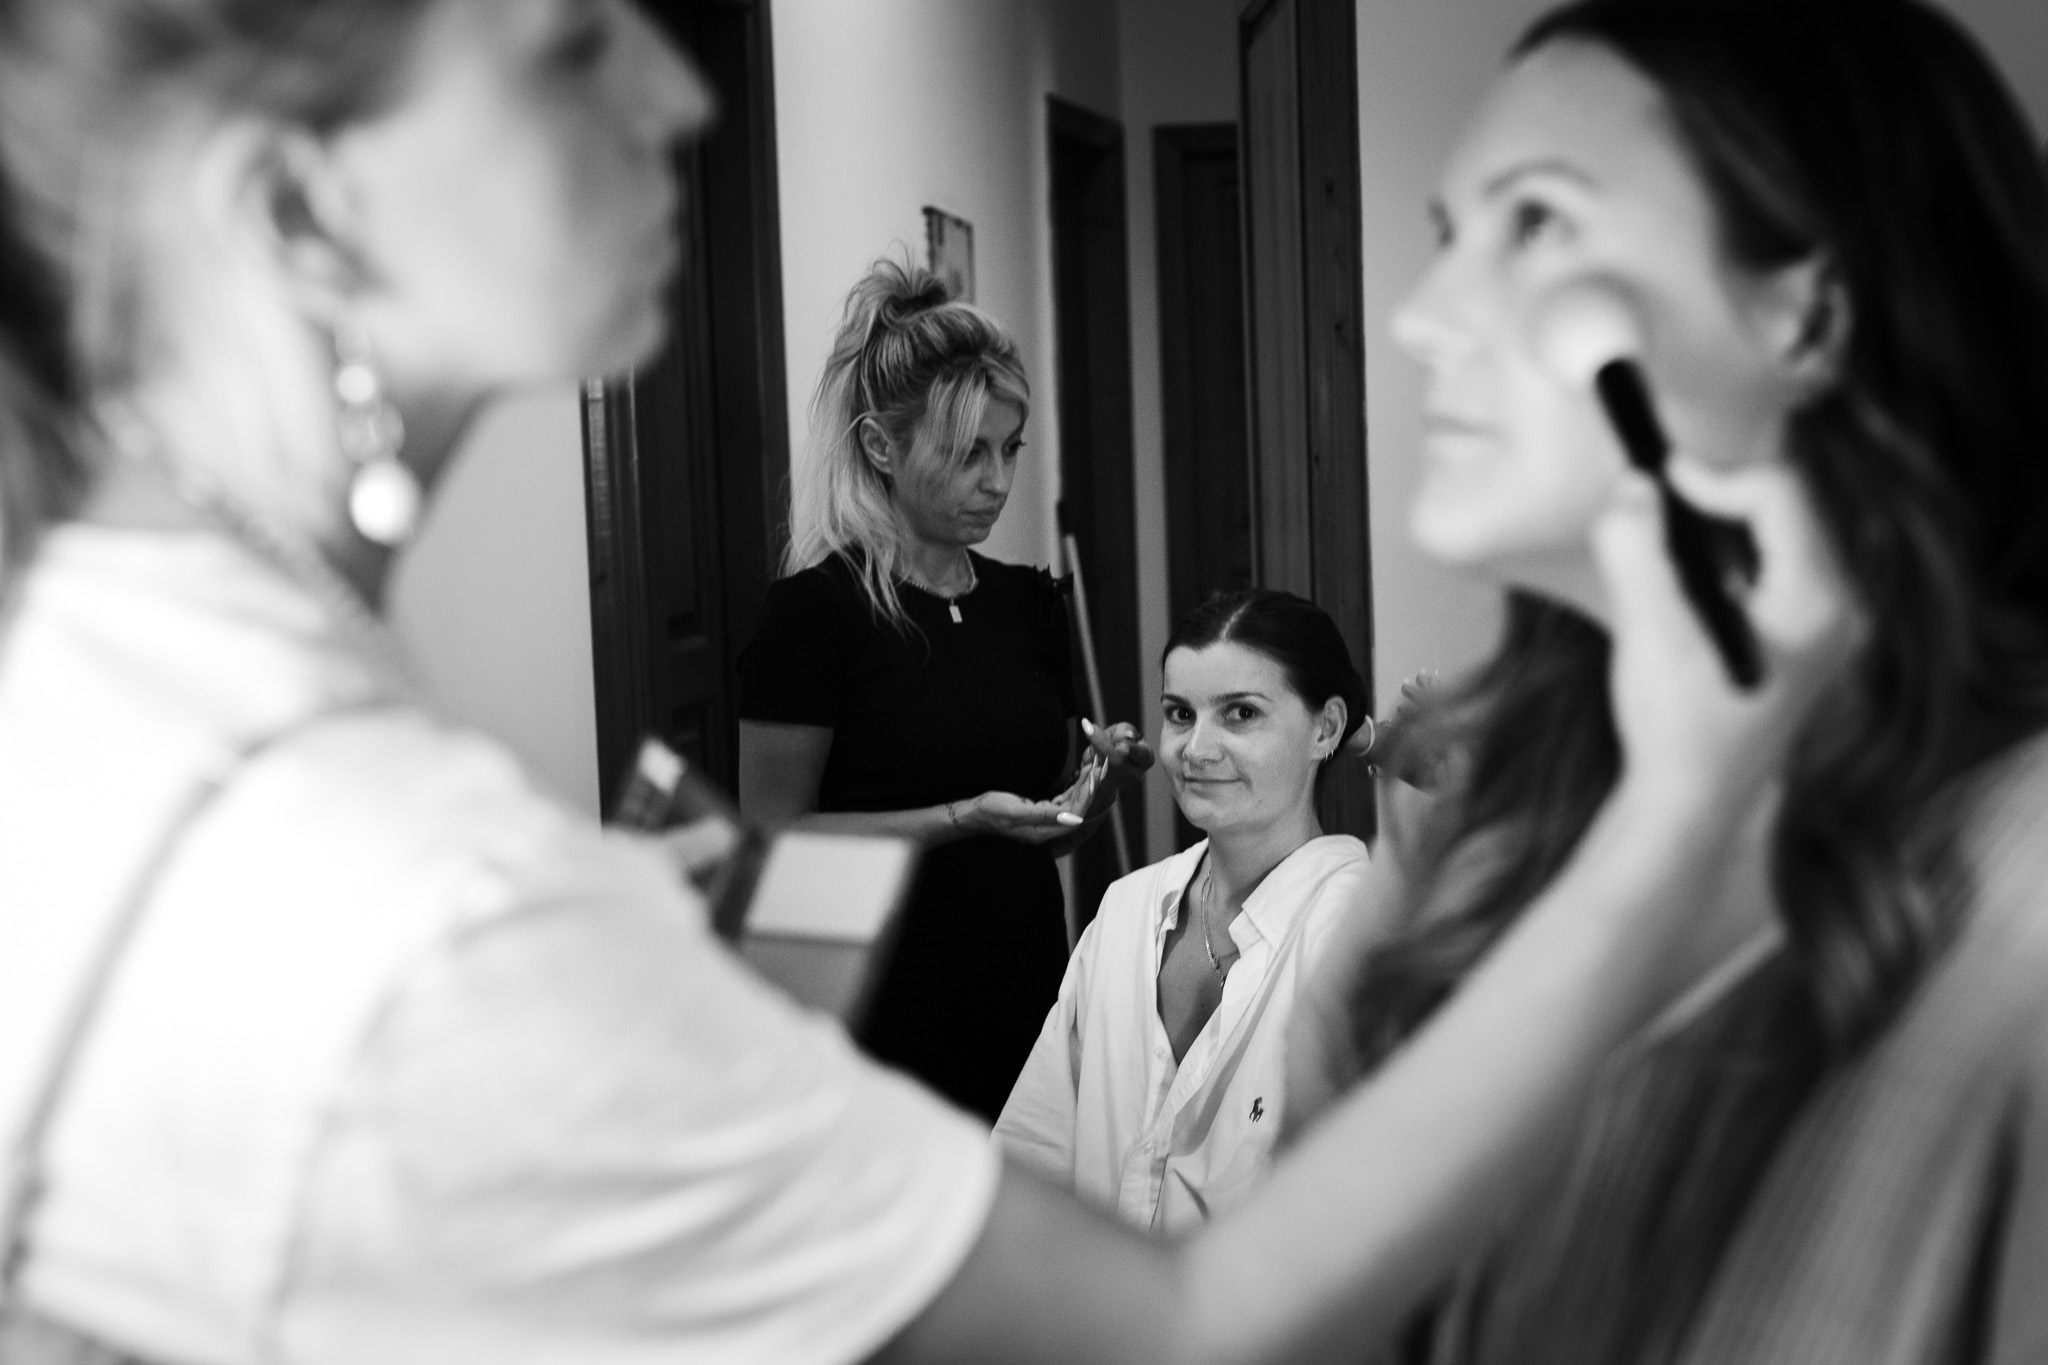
[[952, 600], [1208, 887]]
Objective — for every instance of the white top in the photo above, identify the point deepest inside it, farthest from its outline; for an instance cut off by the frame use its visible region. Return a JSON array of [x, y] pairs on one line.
[[407, 1062], [1101, 1107]]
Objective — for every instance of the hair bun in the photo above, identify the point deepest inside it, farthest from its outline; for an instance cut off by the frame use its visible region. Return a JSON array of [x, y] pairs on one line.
[[907, 293]]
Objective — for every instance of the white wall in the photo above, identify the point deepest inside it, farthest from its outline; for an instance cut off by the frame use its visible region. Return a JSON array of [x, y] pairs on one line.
[[1179, 66], [493, 601], [885, 106]]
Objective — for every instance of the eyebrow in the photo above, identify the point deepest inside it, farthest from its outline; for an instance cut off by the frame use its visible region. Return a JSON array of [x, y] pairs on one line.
[[1501, 182]]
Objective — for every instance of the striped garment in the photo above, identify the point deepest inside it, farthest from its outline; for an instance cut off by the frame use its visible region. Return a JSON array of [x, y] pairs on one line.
[[1903, 1216]]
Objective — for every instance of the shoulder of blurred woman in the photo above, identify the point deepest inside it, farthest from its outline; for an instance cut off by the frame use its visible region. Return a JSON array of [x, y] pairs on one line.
[[1983, 1005], [2005, 836], [137, 664], [451, 808]]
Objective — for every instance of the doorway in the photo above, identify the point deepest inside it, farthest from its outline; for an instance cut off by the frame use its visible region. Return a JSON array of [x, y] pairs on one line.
[[1305, 308], [684, 461], [1092, 339], [1202, 370]]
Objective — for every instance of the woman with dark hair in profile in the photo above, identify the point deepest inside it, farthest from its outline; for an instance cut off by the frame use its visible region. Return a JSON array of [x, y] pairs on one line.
[[1833, 223], [325, 1036], [1155, 1087]]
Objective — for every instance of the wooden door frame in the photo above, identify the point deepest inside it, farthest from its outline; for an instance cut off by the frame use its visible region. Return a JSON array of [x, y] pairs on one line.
[[1102, 494], [730, 340], [1173, 146], [1304, 287], [1190, 485]]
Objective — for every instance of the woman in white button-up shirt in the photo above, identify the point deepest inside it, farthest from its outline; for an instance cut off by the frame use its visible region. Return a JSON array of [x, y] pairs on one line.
[[1155, 1087]]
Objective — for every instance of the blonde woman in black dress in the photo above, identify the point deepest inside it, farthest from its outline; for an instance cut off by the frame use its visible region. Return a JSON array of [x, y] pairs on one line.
[[900, 682]]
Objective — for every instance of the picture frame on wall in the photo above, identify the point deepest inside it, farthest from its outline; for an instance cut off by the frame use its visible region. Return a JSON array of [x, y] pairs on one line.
[[949, 249]]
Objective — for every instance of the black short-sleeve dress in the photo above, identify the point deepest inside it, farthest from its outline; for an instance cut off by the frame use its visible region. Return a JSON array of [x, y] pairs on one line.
[[944, 712]]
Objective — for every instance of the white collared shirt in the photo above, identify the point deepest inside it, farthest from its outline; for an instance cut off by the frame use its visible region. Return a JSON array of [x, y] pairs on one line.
[[1101, 1105]]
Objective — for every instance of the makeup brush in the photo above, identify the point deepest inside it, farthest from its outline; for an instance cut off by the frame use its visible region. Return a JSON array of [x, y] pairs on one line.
[[1589, 334]]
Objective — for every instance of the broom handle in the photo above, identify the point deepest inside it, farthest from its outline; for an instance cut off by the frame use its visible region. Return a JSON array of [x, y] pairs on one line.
[[1116, 812]]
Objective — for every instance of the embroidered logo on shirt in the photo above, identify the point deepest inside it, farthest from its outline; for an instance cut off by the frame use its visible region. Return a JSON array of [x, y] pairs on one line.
[[1258, 1108]]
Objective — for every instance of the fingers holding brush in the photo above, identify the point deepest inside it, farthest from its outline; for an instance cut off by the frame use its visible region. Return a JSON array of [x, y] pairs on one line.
[[1799, 600], [1681, 717], [1121, 744]]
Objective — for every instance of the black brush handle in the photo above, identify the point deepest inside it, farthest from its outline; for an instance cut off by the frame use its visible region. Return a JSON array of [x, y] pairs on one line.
[[1712, 554]]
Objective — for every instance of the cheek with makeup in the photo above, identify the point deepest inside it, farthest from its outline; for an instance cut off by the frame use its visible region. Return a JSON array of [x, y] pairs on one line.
[[1572, 172], [1516, 486], [1236, 741], [956, 503]]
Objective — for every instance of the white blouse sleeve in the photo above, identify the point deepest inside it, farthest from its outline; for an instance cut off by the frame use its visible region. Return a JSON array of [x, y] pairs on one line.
[[1357, 911], [1036, 1127], [584, 1133]]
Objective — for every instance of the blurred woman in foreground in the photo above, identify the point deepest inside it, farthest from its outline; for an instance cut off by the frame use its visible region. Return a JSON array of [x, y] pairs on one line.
[[1832, 224], [397, 1060]]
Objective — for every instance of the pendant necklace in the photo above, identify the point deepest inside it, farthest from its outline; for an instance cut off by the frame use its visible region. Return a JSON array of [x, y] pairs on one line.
[[952, 600]]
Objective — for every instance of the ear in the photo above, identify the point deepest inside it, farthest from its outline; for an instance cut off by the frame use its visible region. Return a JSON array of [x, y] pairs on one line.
[[1806, 320], [298, 196], [1329, 728], [874, 443]]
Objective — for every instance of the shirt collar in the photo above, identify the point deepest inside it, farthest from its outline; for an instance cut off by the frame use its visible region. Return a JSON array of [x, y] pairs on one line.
[[1173, 881], [1270, 912]]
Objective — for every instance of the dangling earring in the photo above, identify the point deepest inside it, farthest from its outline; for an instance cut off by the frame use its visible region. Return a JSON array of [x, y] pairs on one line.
[[384, 495]]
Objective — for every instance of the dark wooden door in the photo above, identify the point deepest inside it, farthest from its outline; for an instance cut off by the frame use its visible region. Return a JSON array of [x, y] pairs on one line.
[[1202, 369], [685, 460], [1202, 363], [1092, 319], [1305, 307]]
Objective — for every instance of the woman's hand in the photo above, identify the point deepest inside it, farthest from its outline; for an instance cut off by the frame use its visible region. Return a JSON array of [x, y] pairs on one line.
[[1684, 726], [1012, 817], [699, 849], [1117, 756], [1123, 747]]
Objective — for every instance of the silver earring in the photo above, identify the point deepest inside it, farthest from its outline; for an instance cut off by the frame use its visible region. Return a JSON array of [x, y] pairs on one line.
[[384, 496]]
